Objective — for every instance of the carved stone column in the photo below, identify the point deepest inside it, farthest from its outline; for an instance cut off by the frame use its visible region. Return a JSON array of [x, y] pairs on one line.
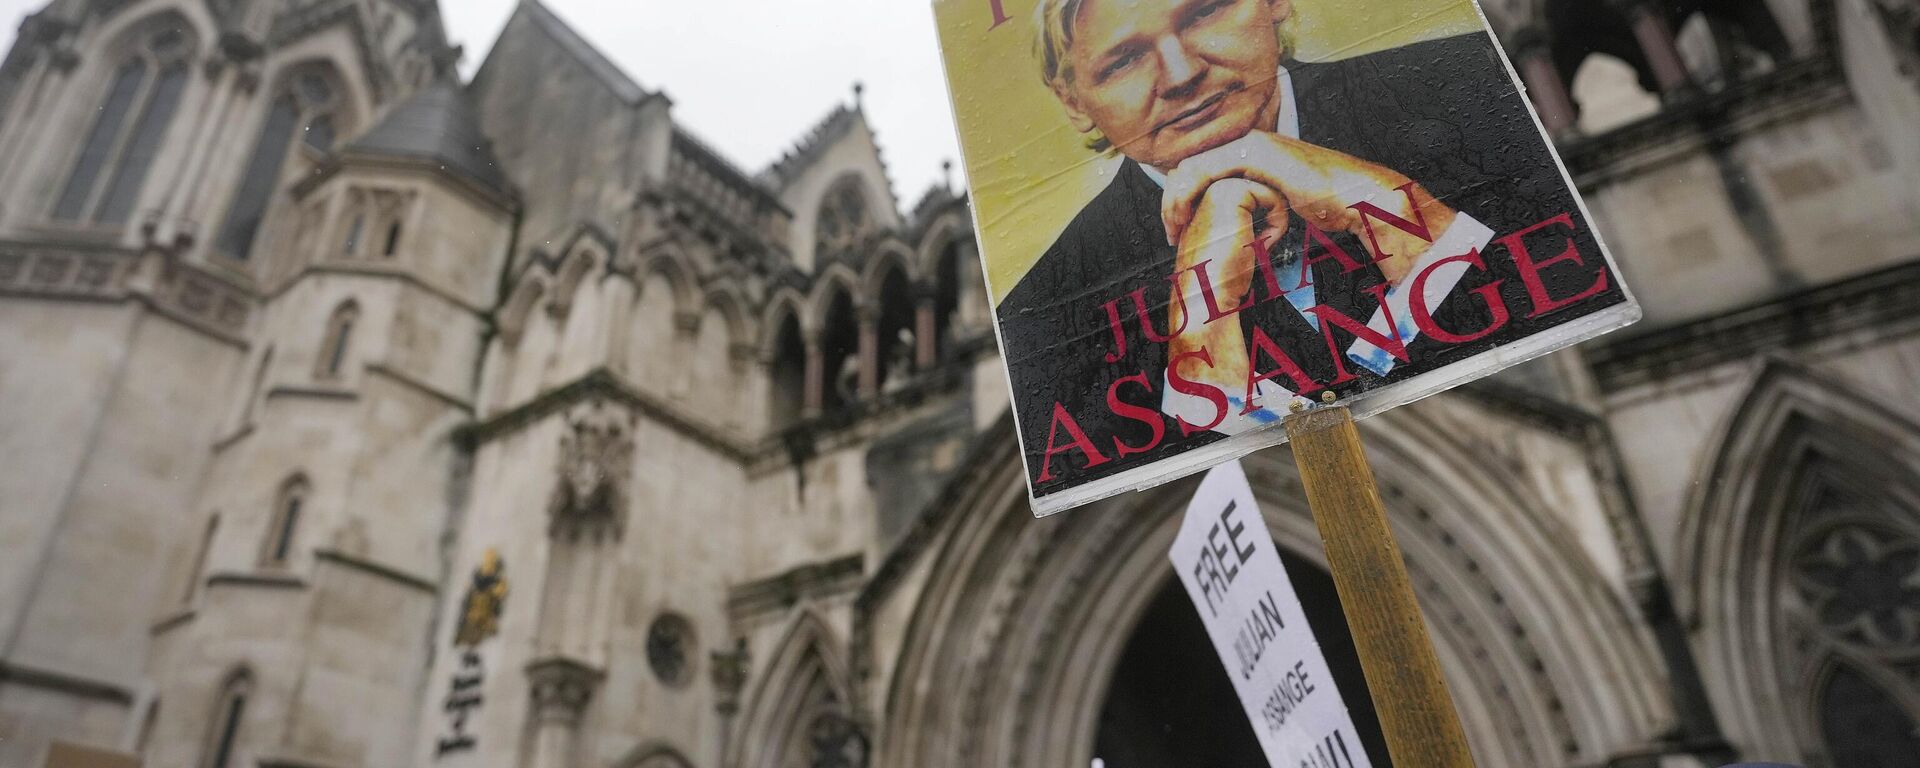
[[240, 81], [1655, 35], [46, 45], [561, 689], [729, 671], [816, 380], [926, 350], [869, 353], [1533, 56], [622, 292]]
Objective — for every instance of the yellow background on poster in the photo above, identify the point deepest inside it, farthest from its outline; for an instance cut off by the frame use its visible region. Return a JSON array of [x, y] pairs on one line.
[[1030, 171]]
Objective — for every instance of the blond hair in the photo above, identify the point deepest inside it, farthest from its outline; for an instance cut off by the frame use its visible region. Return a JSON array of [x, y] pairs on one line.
[[1053, 21]]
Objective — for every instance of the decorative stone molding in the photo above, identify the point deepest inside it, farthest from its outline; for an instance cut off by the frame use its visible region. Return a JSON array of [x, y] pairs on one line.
[[729, 671], [1882, 301], [76, 274], [772, 596], [599, 384], [596, 469], [561, 689]]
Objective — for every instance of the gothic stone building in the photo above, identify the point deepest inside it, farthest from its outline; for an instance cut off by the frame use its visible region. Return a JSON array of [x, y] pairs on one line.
[[356, 417]]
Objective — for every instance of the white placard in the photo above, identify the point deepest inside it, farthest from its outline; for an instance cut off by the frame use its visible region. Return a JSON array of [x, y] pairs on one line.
[[1232, 572]]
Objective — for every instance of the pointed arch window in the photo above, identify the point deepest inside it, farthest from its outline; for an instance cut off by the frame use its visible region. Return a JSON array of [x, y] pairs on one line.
[[333, 349], [1804, 550], [229, 713], [393, 240], [127, 131], [354, 231], [307, 106], [283, 528]]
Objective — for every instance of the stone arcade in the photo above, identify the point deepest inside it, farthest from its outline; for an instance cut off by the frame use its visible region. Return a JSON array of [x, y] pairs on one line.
[[356, 416]]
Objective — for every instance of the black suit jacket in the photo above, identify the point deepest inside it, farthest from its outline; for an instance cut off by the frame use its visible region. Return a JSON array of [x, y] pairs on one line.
[[1443, 113]]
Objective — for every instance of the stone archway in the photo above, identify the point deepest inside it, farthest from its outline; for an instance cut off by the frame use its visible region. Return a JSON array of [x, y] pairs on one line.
[[1799, 553], [1013, 642], [1170, 702]]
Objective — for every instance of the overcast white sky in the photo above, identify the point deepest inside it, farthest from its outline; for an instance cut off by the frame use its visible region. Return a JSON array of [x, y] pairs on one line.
[[751, 76]]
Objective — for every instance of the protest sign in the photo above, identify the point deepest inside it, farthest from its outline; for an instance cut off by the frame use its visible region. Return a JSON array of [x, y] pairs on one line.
[[1231, 570], [1196, 214]]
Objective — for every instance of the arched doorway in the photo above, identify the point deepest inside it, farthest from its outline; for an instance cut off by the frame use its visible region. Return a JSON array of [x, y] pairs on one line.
[[1010, 645], [1171, 702]]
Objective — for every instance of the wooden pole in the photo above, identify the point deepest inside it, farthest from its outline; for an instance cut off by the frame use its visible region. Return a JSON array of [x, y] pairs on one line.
[[1403, 674]]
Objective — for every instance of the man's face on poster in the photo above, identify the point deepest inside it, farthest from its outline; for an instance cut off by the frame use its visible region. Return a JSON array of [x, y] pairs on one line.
[[1164, 80]]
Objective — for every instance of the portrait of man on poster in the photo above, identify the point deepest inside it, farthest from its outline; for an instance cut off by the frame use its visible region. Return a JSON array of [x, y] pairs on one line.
[[1268, 225]]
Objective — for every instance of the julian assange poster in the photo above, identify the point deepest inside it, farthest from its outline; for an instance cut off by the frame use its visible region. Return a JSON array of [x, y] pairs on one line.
[[1196, 216]]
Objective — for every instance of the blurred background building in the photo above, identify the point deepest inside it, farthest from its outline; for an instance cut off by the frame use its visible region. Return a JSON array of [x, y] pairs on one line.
[[356, 416]]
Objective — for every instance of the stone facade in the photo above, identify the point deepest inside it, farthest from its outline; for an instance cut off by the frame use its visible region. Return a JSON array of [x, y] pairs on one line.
[[359, 417]]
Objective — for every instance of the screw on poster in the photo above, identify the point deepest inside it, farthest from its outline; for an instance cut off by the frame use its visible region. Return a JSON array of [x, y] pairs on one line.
[[1194, 214]]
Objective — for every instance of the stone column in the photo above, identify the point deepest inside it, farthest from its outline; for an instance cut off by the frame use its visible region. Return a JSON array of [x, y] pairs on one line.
[[621, 293], [816, 389], [729, 670], [1533, 56], [561, 690], [220, 76], [224, 133], [869, 353], [35, 48], [1657, 43], [926, 352], [36, 94]]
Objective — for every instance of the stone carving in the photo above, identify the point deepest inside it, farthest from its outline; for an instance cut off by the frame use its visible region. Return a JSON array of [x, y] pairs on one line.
[[1861, 585], [596, 467], [561, 689], [838, 742], [729, 673], [65, 273]]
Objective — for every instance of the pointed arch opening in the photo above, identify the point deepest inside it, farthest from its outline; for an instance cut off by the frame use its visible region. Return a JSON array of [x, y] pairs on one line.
[[947, 280], [283, 523], [1746, 39], [839, 349], [801, 710], [895, 328], [1609, 94], [787, 372], [337, 341], [1801, 553], [306, 110], [131, 123], [222, 744], [1542, 654], [519, 309]]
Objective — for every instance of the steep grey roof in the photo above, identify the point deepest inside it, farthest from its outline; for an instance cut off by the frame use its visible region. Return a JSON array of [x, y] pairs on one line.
[[436, 124], [582, 51]]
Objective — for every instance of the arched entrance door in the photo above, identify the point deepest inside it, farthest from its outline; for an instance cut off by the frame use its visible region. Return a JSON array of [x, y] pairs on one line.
[[1002, 640], [1171, 703]]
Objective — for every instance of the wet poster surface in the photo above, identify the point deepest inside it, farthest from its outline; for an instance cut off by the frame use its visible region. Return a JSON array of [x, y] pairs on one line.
[[1195, 215]]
